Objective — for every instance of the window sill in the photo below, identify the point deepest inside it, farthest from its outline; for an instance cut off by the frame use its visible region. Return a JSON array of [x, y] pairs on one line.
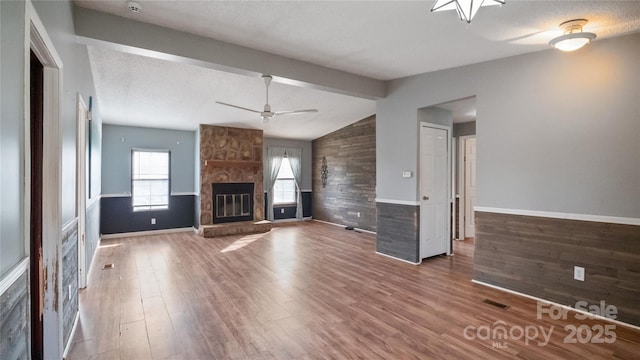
[[279, 205], [143, 209]]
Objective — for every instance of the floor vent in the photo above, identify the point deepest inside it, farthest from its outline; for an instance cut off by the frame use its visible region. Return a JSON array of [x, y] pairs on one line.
[[108, 266], [495, 303]]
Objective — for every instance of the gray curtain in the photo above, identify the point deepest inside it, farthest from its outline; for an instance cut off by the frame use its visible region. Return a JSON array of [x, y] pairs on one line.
[[295, 159], [274, 158]]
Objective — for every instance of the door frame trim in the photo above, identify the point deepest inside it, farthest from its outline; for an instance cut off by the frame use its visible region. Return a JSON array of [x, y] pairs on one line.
[[38, 40], [81, 190], [461, 185], [450, 199]]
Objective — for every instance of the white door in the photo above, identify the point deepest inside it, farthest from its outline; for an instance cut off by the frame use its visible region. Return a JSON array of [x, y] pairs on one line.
[[81, 206], [470, 187], [434, 192]]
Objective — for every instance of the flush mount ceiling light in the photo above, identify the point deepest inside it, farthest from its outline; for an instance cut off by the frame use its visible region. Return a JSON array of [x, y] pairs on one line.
[[466, 9], [574, 38]]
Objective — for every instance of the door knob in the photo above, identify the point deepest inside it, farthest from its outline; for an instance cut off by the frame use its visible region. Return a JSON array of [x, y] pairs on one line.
[[425, 198]]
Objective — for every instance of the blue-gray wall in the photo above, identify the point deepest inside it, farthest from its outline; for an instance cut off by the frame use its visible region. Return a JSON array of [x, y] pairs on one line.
[[117, 142], [116, 213]]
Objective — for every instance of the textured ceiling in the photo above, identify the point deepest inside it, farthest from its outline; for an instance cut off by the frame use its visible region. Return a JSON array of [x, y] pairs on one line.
[[378, 39], [140, 91]]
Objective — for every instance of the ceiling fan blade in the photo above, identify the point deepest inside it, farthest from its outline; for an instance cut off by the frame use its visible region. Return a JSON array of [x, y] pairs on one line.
[[239, 107], [296, 112]]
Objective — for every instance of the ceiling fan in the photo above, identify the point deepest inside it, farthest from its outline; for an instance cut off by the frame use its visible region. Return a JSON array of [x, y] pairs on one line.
[[267, 114]]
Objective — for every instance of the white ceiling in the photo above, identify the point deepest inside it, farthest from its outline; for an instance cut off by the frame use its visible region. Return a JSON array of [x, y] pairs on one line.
[[378, 39]]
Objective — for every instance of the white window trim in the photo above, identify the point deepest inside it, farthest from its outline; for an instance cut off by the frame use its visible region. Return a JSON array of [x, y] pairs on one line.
[[142, 208]]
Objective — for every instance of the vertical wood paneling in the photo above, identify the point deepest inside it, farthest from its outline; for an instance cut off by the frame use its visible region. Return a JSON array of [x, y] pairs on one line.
[[13, 321], [399, 231], [536, 256], [351, 181], [69, 277]]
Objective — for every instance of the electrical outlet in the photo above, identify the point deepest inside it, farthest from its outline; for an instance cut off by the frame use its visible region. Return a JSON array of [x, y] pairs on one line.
[[578, 273], [282, 211], [153, 221], [358, 214]]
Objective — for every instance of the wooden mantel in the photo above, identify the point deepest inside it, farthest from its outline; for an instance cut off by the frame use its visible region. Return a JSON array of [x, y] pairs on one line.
[[212, 164]]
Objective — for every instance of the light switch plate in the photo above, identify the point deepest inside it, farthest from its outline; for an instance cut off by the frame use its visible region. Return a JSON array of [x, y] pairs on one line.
[[578, 273]]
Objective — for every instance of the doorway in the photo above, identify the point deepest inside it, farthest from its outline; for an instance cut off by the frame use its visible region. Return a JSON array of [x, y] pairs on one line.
[[42, 198], [435, 190], [36, 71]]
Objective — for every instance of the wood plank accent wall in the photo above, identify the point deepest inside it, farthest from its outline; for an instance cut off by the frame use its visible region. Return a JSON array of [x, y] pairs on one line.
[[536, 256], [351, 180], [399, 231], [69, 277], [14, 333]]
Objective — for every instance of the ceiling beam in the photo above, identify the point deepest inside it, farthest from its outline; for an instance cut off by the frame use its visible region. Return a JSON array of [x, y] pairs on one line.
[[122, 34]]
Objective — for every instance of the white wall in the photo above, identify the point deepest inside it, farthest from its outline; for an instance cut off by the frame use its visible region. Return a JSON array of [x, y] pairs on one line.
[[556, 131]]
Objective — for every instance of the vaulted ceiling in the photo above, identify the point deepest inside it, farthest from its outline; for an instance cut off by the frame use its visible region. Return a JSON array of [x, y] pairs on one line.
[[376, 40]]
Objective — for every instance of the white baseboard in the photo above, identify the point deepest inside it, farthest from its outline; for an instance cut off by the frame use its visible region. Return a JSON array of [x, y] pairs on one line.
[[146, 233], [617, 322], [395, 258], [344, 226]]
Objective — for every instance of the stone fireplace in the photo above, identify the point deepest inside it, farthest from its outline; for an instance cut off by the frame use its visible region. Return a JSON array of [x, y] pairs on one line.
[[231, 181]]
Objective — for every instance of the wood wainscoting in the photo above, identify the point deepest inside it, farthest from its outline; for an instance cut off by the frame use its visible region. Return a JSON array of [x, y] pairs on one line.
[[536, 256], [303, 290]]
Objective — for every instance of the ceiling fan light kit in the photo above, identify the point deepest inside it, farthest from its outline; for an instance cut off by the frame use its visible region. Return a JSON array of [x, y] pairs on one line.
[[266, 113], [466, 9], [574, 38]]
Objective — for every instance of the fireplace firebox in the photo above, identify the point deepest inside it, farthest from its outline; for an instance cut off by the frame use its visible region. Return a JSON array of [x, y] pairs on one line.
[[232, 202]]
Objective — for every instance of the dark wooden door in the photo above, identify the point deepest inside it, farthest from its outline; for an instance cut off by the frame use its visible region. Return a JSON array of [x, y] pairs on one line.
[[37, 284]]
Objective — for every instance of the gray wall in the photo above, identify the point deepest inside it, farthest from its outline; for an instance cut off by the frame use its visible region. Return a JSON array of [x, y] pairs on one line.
[[565, 139], [306, 157], [11, 133], [116, 156]]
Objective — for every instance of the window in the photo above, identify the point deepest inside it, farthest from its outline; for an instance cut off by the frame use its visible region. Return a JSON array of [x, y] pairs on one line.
[[284, 190], [150, 180]]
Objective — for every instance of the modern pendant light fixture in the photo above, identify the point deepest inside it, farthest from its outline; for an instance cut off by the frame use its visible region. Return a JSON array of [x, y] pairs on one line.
[[574, 38], [466, 9]]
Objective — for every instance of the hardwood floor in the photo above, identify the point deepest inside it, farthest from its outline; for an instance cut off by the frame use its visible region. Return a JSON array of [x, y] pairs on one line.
[[305, 291]]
